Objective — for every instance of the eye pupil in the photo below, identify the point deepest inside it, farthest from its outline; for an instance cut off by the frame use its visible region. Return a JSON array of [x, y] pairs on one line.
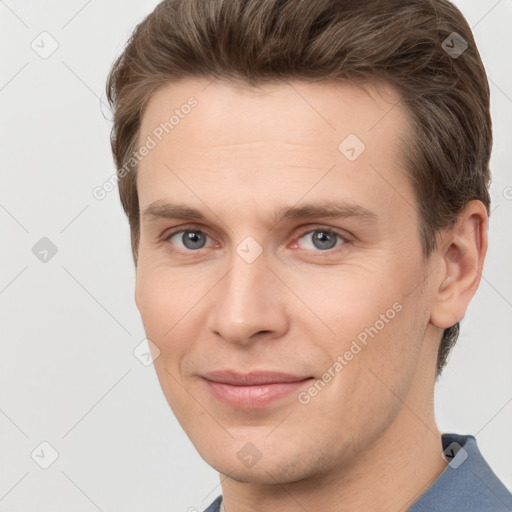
[[324, 240], [193, 239]]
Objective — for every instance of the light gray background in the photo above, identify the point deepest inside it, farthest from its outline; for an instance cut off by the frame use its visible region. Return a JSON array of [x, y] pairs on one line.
[[68, 327]]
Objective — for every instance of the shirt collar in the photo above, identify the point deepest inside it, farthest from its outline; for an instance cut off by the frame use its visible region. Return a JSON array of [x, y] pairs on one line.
[[467, 483]]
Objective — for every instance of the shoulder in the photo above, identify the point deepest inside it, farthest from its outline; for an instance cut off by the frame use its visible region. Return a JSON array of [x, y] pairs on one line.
[[215, 506], [467, 484]]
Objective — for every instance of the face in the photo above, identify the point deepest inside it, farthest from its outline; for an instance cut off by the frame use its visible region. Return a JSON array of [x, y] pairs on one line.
[[280, 271]]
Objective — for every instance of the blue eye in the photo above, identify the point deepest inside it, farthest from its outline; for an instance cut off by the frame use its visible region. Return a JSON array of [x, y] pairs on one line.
[[318, 240], [191, 239], [322, 239]]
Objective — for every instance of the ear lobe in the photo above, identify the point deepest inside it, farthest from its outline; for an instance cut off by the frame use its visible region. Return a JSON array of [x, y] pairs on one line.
[[463, 250]]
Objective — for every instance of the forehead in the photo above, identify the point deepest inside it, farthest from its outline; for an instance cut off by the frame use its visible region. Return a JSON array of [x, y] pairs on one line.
[[253, 140], [230, 113]]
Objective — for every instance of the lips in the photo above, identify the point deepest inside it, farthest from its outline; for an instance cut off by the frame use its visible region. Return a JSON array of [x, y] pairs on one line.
[[253, 378], [254, 390]]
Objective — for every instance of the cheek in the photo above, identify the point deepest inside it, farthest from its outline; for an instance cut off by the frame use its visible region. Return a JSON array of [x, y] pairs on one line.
[[152, 298], [376, 324], [390, 357], [164, 296], [347, 301], [373, 384], [165, 304], [165, 308]]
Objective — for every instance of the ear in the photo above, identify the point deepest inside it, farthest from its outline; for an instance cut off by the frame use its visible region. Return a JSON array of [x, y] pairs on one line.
[[462, 253]]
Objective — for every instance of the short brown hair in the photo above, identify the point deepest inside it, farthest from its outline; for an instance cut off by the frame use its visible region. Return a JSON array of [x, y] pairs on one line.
[[405, 43]]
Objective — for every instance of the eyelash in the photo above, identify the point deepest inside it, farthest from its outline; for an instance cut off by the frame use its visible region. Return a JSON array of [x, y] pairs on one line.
[[327, 252]]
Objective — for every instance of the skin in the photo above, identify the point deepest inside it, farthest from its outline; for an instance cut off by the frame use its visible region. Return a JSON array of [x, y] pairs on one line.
[[368, 440]]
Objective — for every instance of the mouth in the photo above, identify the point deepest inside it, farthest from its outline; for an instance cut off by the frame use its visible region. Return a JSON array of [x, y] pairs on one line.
[[255, 390]]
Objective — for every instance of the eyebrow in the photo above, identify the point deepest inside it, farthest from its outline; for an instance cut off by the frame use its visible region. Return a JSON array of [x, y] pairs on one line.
[[325, 209]]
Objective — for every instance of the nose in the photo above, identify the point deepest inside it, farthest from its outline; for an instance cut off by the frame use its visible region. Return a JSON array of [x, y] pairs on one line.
[[249, 303]]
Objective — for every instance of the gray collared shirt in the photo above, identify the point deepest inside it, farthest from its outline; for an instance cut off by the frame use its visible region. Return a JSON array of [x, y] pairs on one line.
[[467, 484]]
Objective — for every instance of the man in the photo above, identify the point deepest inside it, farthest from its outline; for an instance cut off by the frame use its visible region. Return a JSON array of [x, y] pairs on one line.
[[306, 186]]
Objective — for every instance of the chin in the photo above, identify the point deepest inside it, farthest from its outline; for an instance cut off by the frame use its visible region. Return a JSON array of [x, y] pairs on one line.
[[265, 472]]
